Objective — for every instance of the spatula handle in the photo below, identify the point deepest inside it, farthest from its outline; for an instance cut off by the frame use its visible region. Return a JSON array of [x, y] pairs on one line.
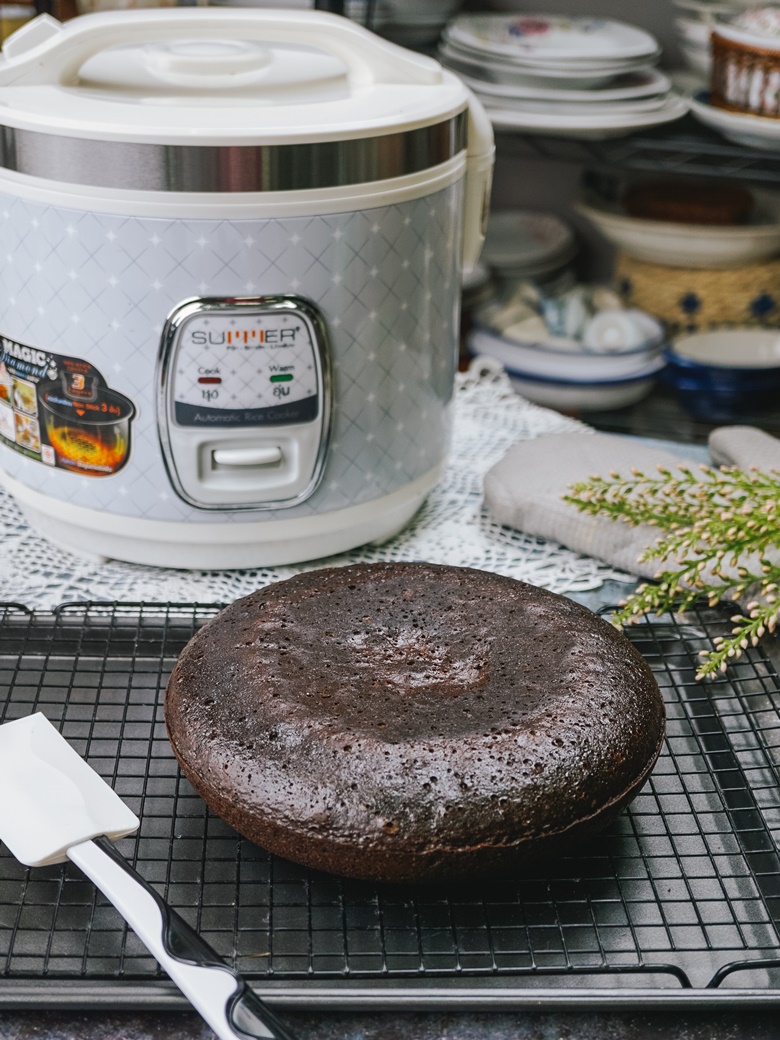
[[219, 993]]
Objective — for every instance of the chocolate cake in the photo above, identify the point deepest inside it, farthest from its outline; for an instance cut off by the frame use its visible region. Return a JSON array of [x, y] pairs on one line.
[[412, 722]]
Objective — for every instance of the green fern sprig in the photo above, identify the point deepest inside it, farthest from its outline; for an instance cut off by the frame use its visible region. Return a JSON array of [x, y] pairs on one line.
[[718, 528]]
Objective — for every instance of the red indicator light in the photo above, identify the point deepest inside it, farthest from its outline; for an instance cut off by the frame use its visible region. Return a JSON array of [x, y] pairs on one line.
[[209, 379]]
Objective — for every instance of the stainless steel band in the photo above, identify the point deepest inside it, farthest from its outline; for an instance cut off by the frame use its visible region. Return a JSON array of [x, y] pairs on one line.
[[231, 168]]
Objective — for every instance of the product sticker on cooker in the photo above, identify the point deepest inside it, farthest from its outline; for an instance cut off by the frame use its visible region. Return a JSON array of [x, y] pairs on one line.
[[59, 411]]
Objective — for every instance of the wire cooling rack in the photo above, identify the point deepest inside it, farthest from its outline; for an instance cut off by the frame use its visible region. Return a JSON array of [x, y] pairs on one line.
[[679, 899]]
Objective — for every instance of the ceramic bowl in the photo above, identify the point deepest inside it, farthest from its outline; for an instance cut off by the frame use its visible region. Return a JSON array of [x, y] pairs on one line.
[[725, 374], [582, 397], [698, 246], [570, 365]]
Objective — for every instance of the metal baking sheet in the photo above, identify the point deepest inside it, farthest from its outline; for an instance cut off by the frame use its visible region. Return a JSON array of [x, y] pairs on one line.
[[678, 902]]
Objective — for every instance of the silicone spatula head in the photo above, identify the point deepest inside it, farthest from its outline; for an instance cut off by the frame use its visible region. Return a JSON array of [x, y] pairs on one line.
[[50, 799]]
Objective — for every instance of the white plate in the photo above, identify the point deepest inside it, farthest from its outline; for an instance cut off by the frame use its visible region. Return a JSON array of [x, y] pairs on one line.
[[698, 246], [639, 84], [615, 66], [552, 37], [590, 127], [526, 239], [731, 348], [582, 397], [619, 108], [572, 366], [515, 75], [760, 132]]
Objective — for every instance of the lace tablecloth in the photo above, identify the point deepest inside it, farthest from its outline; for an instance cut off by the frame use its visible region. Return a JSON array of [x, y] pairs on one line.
[[452, 527]]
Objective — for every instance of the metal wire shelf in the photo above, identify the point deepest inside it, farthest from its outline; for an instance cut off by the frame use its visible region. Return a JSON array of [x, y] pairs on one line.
[[680, 897], [687, 148]]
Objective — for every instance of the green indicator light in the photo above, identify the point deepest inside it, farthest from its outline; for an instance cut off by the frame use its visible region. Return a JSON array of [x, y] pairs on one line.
[[281, 379]]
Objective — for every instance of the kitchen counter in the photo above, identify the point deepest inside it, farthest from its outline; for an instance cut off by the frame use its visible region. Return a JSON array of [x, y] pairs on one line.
[[532, 1025]]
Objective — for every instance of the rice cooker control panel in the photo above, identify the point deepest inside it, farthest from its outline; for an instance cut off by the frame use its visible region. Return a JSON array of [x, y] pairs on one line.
[[244, 401]]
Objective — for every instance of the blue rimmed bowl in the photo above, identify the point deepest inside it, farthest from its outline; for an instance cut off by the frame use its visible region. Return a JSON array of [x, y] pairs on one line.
[[725, 374]]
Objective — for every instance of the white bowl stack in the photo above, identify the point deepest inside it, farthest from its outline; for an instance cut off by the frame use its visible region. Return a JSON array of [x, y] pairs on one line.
[[699, 246], [573, 76], [694, 22], [577, 350]]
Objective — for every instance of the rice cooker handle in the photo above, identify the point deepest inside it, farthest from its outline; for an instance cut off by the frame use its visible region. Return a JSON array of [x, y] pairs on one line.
[[48, 52], [480, 158]]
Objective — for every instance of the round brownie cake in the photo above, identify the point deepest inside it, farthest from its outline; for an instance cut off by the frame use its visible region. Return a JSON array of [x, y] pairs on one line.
[[413, 722]]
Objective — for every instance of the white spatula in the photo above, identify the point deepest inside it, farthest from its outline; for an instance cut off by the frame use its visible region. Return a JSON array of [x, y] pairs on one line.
[[52, 807]]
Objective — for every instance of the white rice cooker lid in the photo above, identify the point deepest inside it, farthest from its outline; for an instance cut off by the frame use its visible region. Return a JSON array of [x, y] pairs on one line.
[[221, 75], [217, 99]]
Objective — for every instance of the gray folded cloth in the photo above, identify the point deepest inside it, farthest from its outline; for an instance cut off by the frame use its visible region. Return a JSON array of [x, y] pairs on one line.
[[525, 489], [744, 447]]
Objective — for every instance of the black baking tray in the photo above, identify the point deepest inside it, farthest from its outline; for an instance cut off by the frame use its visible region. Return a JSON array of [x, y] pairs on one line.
[[677, 903]]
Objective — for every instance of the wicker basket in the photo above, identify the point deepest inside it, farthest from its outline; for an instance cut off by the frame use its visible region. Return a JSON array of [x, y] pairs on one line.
[[688, 299], [745, 78]]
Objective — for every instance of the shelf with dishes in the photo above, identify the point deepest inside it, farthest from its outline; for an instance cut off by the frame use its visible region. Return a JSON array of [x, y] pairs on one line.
[[692, 301], [685, 147], [582, 76], [595, 81]]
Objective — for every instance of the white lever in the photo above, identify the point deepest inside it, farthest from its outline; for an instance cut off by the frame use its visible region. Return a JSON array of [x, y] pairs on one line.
[[57, 58], [260, 456]]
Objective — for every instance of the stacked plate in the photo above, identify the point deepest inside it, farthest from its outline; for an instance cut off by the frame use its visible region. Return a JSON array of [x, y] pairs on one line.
[[694, 26], [566, 76], [526, 244]]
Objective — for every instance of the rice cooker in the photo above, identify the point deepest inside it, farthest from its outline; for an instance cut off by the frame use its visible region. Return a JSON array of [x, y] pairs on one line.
[[232, 242]]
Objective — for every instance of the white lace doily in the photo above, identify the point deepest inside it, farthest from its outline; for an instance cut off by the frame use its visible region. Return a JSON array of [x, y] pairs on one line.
[[452, 527]]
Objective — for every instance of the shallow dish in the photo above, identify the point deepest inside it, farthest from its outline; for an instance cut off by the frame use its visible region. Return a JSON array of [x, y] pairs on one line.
[[748, 349], [571, 366], [762, 132], [725, 374], [640, 84], [524, 238], [588, 127], [690, 245], [482, 67], [566, 108], [547, 37], [582, 397]]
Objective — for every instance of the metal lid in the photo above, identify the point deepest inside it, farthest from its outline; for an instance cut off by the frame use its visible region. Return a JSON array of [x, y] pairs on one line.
[[205, 79]]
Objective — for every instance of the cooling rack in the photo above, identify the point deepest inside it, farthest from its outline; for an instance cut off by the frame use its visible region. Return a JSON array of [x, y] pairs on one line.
[[679, 901]]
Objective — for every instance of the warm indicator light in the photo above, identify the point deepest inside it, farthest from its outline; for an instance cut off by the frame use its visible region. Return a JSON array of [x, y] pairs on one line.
[[281, 379], [209, 379]]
